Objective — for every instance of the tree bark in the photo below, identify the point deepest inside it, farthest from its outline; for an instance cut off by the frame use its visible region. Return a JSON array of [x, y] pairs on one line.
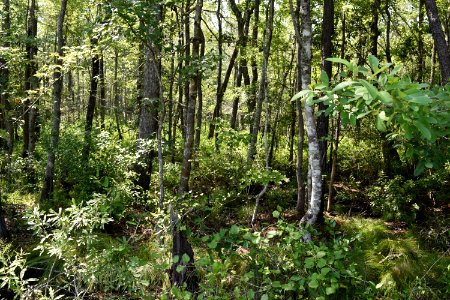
[[116, 93], [4, 81], [102, 85], [334, 162], [314, 155], [181, 246], [439, 39], [31, 84], [47, 188], [95, 65], [388, 32], [262, 86], [374, 31], [148, 116], [420, 50], [295, 15]]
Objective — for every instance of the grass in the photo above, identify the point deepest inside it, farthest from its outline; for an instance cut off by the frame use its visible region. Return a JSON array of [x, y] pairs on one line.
[[391, 256]]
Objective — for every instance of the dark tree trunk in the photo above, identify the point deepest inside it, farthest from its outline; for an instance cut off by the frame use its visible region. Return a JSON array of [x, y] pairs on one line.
[[181, 246], [95, 65], [251, 101], [262, 87], [5, 106], [374, 31], [148, 117], [198, 123], [388, 32], [295, 15], [116, 93], [47, 188], [31, 82], [420, 50], [102, 84], [439, 39], [187, 60]]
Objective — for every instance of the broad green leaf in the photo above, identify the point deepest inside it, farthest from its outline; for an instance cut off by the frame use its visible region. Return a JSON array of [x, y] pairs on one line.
[[423, 129], [370, 88], [380, 124], [234, 229], [324, 78], [330, 290], [185, 258], [321, 263], [300, 94], [373, 63], [362, 115], [385, 97], [383, 116], [419, 169], [276, 214], [265, 297], [339, 60], [419, 99], [314, 284], [343, 85]]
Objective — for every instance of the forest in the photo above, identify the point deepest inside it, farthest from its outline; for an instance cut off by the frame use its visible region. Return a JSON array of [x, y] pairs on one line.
[[239, 149]]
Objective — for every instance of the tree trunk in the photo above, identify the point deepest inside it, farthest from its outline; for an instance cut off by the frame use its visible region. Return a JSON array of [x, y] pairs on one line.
[[5, 106], [262, 86], [374, 31], [31, 84], [181, 246], [295, 15], [47, 188], [388, 32], [102, 84], [439, 39], [420, 50], [116, 93], [148, 117], [251, 101], [187, 53], [334, 162], [95, 63], [198, 123], [314, 155]]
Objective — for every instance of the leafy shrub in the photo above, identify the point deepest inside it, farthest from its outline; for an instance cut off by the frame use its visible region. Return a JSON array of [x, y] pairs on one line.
[[276, 263]]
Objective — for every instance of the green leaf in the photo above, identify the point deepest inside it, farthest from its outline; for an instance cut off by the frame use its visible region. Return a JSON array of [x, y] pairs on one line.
[[419, 169], [370, 88], [385, 97], [185, 258], [343, 85], [373, 63], [380, 124], [330, 290], [234, 229], [419, 99], [339, 60], [321, 263], [325, 271], [265, 297], [276, 214], [426, 133], [300, 94], [324, 78], [314, 284]]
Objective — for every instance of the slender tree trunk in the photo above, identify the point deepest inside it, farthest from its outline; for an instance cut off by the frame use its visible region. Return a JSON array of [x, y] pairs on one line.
[[334, 162], [181, 245], [262, 86], [295, 15], [116, 93], [420, 50], [31, 82], [374, 31], [314, 155], [187, 61], [198, 123], [5, 106], [95, 63], [439, 39], [251, 101], [433, 65], [102, 85], [148, 117], [388, 32], [179, 110], [47, 188]]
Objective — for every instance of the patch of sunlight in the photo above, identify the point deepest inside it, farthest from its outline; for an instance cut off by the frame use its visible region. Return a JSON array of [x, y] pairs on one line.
[[18, 198]]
